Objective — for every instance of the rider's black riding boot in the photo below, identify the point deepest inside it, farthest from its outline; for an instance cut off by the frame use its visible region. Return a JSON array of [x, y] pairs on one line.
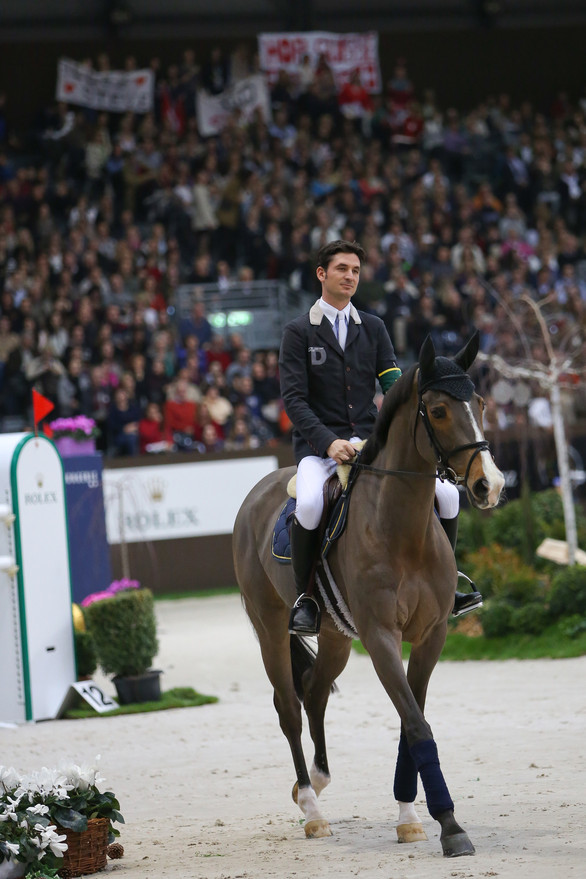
[[464, 602], [305, 616]]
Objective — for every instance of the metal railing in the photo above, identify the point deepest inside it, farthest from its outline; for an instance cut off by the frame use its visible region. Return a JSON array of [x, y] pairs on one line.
[[257, 311]]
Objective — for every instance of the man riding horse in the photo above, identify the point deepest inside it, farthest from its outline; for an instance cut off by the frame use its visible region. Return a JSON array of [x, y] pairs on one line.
[[330, 361]]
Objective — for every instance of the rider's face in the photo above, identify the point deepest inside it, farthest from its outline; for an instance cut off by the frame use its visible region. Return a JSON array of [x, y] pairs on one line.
[[340, 280]]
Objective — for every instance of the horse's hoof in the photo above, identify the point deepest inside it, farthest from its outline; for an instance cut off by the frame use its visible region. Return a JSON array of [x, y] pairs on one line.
[[295, 792], [457, 845], [411, 832], [317, 828]]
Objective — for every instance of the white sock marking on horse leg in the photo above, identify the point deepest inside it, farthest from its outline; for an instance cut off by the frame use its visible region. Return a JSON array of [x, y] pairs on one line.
[[319, 779], [492, 474], [407, 814], [307, 802]]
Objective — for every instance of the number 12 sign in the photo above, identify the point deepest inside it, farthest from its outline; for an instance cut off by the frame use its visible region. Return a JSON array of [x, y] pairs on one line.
[[95, 696]]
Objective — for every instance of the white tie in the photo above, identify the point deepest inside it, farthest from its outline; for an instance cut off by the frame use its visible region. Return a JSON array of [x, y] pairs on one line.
[[341, 330]]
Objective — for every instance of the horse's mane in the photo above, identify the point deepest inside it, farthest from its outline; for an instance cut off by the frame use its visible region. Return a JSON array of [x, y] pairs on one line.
[[397, 394]]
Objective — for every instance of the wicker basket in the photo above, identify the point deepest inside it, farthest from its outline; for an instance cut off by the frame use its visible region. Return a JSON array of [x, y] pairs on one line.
[[86, 851]]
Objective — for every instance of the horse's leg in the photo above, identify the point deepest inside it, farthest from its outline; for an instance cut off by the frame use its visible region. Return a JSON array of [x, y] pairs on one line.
[[422, 661], [275, 645], [331, 660], [454, 839], [384, 647]]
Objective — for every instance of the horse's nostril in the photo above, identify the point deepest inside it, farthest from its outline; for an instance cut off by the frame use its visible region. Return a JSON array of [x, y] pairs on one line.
[[481, 488]]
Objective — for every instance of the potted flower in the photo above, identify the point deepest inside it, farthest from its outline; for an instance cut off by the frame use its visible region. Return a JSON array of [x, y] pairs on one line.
[[122, 622], [55, 820], [75, 436]]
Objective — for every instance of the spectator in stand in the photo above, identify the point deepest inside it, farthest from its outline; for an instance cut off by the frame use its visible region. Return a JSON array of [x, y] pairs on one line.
[[210, 440], [122, 424], [466, 244], [74, 389], [157, 382], [215, 73], [456, 148], [240, 438], [44, 373], [180, 413], [218, 407], [240, 365], [218, 353], [197, 325], [354, 101], [153, 434], [400, 89]]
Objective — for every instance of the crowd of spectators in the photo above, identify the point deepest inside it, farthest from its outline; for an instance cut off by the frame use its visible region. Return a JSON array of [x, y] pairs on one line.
[[464, 215]]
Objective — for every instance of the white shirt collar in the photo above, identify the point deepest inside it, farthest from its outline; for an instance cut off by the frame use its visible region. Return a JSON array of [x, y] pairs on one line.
[[332, 313]]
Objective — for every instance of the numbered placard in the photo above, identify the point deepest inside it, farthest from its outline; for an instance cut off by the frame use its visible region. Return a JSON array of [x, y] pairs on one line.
[[93, 695]]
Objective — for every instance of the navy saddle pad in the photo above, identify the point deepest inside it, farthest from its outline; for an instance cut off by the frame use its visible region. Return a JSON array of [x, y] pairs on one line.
[[281, 546]]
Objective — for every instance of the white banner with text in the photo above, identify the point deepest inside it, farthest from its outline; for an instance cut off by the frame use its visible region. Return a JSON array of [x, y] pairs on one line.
[[179, 500], [343, 52], [246, 96], [116, 91]]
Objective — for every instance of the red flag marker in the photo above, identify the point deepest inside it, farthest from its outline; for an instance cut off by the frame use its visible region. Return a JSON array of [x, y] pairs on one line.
[[41, 408]]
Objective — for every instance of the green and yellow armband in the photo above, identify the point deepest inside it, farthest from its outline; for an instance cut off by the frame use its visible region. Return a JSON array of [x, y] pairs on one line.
[[388, 377]]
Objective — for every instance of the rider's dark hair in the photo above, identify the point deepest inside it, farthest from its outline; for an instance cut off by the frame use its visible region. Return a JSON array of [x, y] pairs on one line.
[[329, 251]]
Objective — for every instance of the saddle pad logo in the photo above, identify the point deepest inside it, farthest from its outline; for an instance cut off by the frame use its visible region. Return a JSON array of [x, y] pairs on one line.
[[318, 356]]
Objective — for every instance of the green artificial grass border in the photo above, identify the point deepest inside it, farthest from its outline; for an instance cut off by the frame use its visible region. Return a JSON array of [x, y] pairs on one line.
[[553, 643], [179, 697], [201, 593]]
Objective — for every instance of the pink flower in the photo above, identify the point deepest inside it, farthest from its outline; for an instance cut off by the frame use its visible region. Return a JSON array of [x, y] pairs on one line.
[[120, 585], [113, 588], [80, 424], [95, 596]]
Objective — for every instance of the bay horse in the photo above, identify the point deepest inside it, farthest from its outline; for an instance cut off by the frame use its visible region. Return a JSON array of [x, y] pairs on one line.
[[396, 571]]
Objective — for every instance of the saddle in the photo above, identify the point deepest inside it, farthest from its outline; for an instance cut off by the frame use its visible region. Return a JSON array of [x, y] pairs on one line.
[[336, 493]]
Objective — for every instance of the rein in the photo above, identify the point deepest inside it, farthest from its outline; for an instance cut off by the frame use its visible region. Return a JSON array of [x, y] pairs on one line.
[[445, 473]]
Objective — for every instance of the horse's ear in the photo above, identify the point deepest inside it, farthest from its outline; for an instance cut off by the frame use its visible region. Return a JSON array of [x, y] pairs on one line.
[[466, 357], [426, 360]]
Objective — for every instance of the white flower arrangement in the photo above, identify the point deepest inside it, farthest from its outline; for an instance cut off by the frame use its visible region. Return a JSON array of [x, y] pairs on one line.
[[33, 807]]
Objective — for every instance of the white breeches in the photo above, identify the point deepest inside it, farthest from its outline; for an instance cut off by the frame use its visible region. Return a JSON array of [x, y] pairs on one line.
[[312, 472], [448, 499]]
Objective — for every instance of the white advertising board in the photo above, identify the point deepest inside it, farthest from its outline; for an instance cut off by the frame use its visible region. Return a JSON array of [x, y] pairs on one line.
[[196, 499], [37, 658]]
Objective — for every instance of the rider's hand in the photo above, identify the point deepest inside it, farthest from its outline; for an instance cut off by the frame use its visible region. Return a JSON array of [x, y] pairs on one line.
[[341, 451]]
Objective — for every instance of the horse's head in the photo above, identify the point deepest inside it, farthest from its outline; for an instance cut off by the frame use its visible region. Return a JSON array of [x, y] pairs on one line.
[[451, 412]]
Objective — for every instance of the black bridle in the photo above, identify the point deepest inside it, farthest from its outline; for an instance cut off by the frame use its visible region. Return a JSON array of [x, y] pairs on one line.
[[444, 472]]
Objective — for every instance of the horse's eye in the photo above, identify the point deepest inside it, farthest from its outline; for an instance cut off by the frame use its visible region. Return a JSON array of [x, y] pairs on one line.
[[438, 412]]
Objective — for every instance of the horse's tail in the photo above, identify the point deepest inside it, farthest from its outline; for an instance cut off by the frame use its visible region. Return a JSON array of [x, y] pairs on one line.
[[302, 659]]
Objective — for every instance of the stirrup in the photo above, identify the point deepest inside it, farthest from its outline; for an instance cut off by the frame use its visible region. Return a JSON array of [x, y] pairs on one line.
[[471, 601], [467, 601], [305, 616]]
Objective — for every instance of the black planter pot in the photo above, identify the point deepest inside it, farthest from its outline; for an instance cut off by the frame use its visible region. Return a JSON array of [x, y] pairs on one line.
[[138, 688]]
